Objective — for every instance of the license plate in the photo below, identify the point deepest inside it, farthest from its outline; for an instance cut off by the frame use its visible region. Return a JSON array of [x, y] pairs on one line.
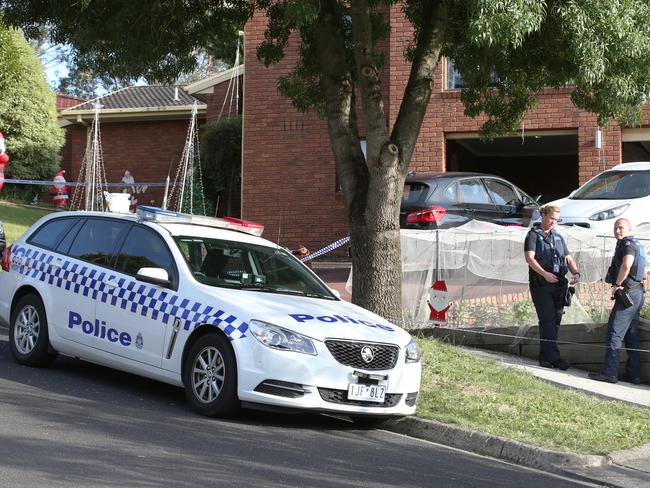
[[366, 393]]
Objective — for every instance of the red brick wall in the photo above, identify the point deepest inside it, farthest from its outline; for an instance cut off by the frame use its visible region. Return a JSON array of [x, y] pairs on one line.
[[149, 150], [288, 167]]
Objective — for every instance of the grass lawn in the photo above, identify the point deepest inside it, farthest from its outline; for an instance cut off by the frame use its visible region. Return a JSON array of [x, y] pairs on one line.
[[17, 219], [462, 389]]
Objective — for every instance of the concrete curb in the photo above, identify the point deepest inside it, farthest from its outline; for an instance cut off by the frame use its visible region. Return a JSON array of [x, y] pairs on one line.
[[630, 455], [493, 446]]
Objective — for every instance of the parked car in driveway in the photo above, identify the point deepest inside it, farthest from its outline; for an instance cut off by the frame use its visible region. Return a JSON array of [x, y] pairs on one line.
[[622, 191], [445, 200]]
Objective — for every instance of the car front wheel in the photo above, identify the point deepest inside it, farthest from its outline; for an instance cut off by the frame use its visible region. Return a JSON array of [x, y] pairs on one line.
[[210, 377], [28, 334]]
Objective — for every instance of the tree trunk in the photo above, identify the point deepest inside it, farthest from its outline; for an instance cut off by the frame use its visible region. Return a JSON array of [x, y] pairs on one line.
[[373, 186], [376, 249]]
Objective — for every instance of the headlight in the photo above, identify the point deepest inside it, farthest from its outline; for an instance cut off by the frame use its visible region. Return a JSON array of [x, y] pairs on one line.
[[283, 339], [412, 352], [610, 213]]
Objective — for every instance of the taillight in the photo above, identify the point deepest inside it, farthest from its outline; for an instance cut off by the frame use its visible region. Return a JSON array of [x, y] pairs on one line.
[[426, 215], [6, 258]]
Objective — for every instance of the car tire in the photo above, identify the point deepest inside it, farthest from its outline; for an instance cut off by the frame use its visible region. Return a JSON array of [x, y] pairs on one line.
[[210, 377], [28, 334]]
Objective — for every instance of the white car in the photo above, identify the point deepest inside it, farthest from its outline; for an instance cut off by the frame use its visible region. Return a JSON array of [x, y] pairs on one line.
[[195, 302], [622, 191]]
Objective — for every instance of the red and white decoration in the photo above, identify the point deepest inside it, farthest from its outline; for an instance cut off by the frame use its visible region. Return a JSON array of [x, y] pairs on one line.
[[438, 303], [60, 191], [4, 159]]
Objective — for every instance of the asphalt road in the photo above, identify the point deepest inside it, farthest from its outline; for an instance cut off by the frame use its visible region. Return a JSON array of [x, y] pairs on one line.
[[79, 425]]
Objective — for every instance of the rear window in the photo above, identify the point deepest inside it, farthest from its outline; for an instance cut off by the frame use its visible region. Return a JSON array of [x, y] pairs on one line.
[[51, 233], [415, 192]]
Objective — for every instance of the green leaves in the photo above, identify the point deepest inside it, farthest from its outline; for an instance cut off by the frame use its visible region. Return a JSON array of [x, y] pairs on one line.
[[508, 51], [27, 110]]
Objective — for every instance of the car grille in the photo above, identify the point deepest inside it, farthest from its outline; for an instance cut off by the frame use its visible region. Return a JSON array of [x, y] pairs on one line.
[[384, 356], [341, 396]]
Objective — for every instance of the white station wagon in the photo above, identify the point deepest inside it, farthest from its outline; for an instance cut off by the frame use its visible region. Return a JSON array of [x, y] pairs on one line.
[[201, 303]]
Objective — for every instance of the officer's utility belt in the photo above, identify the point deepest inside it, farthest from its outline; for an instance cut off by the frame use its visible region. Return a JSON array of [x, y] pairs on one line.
[[633, 285]]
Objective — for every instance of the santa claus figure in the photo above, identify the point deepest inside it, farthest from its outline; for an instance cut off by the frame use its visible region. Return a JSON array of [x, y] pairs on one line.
[[438, 303], [60, 191], [4, 159]]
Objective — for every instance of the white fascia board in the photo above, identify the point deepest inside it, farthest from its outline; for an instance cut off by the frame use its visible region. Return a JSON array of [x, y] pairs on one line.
[[132, 112], [207, 85]]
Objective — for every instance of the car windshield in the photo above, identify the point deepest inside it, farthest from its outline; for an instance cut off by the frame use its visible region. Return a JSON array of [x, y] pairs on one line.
[[228, 264], [615, 185]]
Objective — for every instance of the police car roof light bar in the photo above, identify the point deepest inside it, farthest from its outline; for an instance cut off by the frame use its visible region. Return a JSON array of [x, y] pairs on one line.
[[155, 214]]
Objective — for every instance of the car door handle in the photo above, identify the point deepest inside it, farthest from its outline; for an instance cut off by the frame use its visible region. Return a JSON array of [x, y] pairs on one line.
[[56, 264], [111, 283]]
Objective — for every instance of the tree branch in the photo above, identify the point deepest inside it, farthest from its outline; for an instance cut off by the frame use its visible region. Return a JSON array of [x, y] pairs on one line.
[[338, 87], [420, 84], [369, 82]]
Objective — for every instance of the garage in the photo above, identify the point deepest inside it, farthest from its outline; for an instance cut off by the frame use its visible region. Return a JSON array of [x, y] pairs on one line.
[[539, 162], [636, 144]]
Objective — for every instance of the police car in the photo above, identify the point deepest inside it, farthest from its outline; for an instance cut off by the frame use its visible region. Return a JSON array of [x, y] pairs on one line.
[[205, 304]]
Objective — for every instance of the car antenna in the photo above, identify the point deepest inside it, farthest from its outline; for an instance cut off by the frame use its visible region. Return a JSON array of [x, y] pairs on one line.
[[279, 229]]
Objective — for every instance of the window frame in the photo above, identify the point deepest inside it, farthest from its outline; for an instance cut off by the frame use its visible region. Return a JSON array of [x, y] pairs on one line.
[[110, 264], [173, 273]]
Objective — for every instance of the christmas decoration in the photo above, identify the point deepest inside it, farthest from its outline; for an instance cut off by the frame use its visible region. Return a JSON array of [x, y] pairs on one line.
[[60, 191], [438, 303], [4, 159]]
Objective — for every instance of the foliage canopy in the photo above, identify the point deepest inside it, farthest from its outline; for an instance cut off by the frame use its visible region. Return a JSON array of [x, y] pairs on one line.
[[27, 110]]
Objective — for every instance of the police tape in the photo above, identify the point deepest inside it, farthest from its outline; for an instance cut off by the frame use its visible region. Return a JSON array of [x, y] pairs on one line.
[[70, 183], [326, 249]]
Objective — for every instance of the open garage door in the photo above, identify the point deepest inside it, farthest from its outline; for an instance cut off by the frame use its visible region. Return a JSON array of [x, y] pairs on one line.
[[540, 163], [636, 144]]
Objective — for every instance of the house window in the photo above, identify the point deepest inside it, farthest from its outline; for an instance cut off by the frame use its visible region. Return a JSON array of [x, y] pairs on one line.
[[453, 80]]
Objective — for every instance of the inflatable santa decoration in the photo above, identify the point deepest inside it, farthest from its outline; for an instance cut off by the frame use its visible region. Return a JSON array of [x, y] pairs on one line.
[[4, 159], [60, 191], [438, 303]]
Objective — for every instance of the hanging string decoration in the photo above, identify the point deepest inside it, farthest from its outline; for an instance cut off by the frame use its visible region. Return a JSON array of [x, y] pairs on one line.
[[89, 192], [186, 194]]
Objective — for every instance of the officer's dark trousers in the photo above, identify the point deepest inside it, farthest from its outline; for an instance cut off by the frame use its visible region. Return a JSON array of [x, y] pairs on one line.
[[623, 325], [549, 313]]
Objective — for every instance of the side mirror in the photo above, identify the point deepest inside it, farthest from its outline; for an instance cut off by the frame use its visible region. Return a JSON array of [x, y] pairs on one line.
[[156, 276]]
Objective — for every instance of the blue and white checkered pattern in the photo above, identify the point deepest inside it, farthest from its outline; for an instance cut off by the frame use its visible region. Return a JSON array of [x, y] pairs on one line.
[[131, 295]]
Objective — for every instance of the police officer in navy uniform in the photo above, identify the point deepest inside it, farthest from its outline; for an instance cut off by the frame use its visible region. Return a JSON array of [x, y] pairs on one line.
[[549, 261], [626, 275]]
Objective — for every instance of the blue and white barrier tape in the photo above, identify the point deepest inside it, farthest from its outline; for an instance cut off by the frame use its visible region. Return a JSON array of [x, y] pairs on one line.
[[70, 183], [326, 249]]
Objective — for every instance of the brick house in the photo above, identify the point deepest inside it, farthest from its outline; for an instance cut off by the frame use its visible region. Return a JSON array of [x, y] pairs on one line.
[[289, 180], [144, 128]]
